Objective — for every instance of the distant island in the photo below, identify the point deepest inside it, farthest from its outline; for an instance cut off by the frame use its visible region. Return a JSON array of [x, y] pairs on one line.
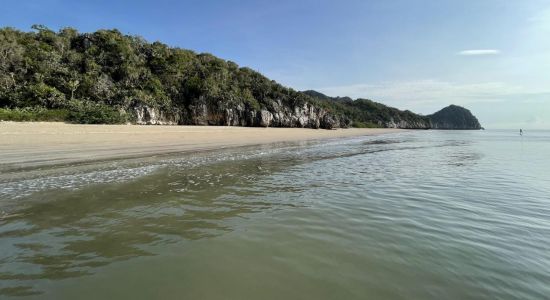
[[106, 77]]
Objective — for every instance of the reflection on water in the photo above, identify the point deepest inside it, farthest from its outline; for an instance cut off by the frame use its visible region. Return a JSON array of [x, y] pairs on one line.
[[68, 233], [458, 215]]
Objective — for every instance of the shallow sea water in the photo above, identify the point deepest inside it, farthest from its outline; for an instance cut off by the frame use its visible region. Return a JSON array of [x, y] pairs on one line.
[[414, 215]]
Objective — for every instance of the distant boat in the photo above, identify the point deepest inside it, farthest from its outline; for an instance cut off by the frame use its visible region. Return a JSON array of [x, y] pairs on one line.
[[521, 132]]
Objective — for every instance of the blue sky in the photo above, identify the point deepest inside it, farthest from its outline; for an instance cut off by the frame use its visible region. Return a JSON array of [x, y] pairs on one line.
[[492, 56]]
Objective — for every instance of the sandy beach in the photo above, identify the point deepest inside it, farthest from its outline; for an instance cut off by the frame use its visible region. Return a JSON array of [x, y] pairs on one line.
[[35, 144]]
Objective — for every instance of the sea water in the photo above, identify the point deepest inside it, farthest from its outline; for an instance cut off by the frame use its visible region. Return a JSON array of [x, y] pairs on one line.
[[413, 215]]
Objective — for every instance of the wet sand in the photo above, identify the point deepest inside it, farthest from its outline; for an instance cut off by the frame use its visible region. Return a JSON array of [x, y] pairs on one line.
[[37, 144]]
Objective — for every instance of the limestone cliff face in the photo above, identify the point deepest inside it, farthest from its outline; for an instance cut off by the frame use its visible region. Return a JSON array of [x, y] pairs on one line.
[[276, 115], [304, 116], [454, 117], [145, 115], [403, 124]]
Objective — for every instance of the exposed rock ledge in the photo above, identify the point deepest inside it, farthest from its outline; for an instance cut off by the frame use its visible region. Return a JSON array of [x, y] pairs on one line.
[[305, 116]]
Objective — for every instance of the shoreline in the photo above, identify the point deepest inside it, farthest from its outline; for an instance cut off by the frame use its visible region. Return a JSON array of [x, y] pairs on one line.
[[29, 145]]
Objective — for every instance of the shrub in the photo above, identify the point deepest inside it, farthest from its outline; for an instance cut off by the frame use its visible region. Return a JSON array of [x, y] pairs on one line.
[[33, 114], [95, 113], [358, 124]]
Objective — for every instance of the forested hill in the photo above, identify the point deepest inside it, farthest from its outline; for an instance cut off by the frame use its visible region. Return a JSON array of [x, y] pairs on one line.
[[367, 113], [454, 117], [108, 77]]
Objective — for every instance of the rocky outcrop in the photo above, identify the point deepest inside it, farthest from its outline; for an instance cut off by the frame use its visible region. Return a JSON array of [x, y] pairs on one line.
[[145, 115], [454, 117], [303, 116], [406, 124], [276, 115]]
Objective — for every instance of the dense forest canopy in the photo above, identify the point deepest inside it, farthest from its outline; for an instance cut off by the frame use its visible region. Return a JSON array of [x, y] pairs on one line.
[[454, 117], [67, 70], [109, 77], [368, 113]]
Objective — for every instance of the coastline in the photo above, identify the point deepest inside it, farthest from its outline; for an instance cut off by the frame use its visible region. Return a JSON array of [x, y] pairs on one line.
[[40, 144]]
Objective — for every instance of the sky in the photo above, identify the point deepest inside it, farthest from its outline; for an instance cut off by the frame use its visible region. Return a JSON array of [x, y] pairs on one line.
[[490, 56]]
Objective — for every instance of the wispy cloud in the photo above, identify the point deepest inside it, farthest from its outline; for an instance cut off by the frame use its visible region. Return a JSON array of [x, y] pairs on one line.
[[478, 52]]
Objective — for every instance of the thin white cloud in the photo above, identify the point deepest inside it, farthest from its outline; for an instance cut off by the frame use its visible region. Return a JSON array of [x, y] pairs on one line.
[[478, 52]]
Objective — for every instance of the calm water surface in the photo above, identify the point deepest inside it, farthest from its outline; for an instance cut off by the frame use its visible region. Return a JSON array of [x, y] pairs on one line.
[[416, 215]]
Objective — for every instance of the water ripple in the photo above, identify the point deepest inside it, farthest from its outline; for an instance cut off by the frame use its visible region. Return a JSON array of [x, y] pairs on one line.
[[418, 215]]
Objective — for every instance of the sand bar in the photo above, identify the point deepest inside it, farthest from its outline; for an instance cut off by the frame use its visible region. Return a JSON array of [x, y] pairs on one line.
[[36, 144]]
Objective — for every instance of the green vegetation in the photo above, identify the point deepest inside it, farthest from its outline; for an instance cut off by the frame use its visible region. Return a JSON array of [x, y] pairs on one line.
[[454, 117], [95, 113], [112, 71], [359, 124], [33, 114], [106, 77], [367, 113]]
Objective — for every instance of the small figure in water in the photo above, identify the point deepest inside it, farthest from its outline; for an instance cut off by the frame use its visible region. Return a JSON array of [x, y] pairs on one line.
[[520, 131]]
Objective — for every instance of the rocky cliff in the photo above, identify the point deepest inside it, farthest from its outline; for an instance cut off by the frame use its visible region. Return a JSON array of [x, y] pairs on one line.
[[277, 115]]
